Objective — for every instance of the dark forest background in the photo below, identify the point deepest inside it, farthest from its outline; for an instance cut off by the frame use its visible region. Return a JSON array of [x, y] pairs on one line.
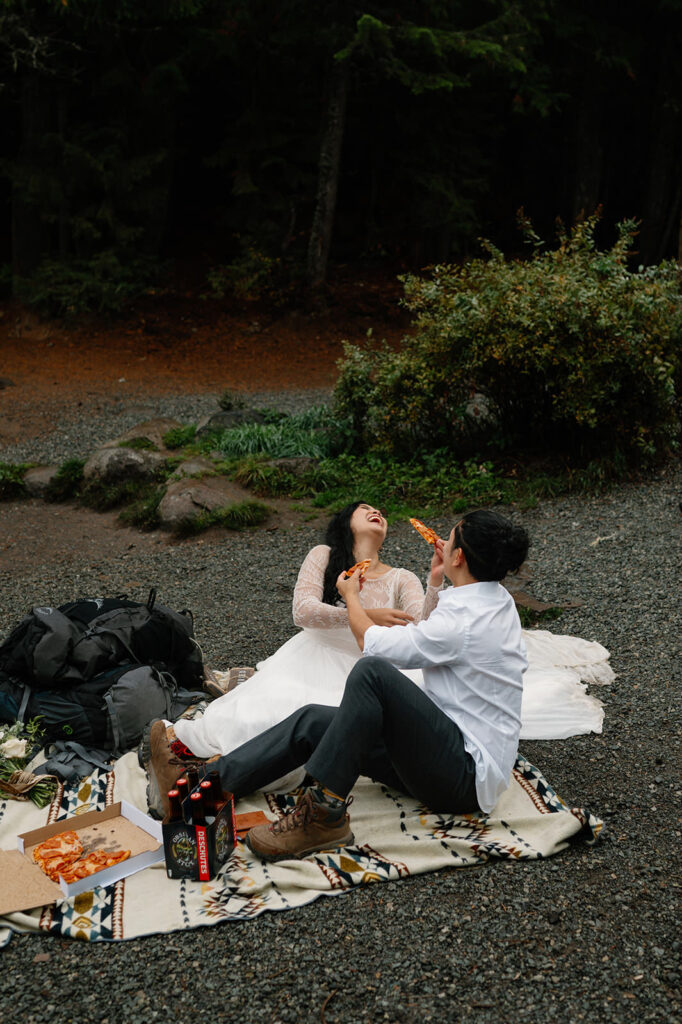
[[274, 138]]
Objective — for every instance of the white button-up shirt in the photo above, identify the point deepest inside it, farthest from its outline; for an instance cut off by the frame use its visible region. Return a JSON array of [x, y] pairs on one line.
[[473, 657]]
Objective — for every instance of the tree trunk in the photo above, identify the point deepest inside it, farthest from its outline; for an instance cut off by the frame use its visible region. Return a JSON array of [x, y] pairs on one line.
[[328, 178], [664, 162], [30, 233], [589, 149]]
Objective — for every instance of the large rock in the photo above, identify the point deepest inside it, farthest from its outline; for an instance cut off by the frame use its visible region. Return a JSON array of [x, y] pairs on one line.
[[112, 465], [225, 419], [197, 467], [187, 499], [38, 479], [151, 430]]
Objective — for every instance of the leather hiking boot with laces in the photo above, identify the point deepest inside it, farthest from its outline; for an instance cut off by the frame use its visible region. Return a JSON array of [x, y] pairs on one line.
[[312, 825], [163, 767]]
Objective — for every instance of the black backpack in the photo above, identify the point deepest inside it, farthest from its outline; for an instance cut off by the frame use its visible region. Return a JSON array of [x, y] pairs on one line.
[[54, 648], [96, 671]]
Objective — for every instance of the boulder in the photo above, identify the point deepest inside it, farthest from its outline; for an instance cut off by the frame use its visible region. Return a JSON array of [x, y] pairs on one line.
[[187, 499], [111, 465], [194, 467], [38, 479], [150, 430], [227, 418]]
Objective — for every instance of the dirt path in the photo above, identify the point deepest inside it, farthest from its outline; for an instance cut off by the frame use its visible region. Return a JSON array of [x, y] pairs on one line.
[[184, 347]]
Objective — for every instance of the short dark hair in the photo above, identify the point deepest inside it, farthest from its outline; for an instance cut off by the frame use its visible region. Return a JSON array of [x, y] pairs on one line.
[[493, 546]]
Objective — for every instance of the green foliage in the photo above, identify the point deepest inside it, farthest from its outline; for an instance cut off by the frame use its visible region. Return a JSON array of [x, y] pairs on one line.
[[143, 510], [229, 401], [239, 516], [12, 480], [67, 481], [530, 618], [139, 444], [315, 433], [252, 276], [106, 283], [572, 352], [179, 437]]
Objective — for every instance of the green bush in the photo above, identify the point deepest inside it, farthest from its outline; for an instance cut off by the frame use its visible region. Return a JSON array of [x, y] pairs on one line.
[[12, 480], [238, 516], [571, 352], [67, 481], [103, 284], [179, 437], [315, 433]]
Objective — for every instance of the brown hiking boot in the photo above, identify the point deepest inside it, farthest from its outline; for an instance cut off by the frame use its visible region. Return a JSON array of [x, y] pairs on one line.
[[163, 767], [309, 827]]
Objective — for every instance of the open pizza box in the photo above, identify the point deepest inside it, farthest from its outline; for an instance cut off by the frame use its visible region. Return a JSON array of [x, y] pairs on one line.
[[23, 885]]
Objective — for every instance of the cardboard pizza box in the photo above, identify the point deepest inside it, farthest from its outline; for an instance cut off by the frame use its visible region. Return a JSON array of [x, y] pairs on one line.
[[23, 885]]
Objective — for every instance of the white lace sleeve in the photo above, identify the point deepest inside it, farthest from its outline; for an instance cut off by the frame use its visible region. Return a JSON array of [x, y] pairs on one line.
[[431, 599], [308, 608], [410, 597]]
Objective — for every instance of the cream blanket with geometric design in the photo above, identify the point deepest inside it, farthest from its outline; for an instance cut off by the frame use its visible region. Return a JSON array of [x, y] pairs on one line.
[[395, 837]]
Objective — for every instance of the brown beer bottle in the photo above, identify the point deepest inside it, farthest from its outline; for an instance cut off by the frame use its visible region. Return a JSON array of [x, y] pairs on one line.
[[217, 795], [205, 790], [192, 776], [196, 800], [175, 808]]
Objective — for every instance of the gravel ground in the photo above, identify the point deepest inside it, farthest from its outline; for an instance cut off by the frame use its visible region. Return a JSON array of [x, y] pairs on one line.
[[78, 434], [590, 934]]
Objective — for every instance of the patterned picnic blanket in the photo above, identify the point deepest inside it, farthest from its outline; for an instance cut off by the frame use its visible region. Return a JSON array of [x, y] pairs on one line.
[[395, 837]]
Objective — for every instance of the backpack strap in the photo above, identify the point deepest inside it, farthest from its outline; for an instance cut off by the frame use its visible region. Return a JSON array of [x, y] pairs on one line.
[[151, 600], [25, 697], [77, 749]]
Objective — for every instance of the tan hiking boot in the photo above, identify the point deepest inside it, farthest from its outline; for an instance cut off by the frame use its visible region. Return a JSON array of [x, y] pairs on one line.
[[219, 683], [163, 767], [309, 827]]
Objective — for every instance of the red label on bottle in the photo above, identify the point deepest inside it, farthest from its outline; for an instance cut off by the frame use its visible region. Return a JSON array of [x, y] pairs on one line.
[[202, 854]]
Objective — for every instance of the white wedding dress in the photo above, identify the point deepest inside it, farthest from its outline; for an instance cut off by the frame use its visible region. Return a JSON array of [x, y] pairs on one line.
[[312, 668]]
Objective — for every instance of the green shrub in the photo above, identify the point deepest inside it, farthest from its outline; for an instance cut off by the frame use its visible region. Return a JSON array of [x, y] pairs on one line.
[[103, 284], [12, 480], [143, 510], [179, 437], [67, 481], [571, 351], [315, 433], [239, 516]]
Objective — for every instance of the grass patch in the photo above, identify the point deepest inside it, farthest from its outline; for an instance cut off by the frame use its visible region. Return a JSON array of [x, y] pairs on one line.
[[179, 437], [530, 618], [12, 480], [143, 511], [139, 444], [67, 481], [239, 516], [316, 433]]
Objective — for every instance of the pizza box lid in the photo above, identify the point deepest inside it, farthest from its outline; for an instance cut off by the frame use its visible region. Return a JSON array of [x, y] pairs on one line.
[[23, 885]]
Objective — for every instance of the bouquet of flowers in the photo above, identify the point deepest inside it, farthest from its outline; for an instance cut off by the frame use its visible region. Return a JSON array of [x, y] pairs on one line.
[[18, 744]]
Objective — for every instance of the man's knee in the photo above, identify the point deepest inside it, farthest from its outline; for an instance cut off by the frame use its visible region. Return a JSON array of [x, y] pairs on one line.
[[367, 671], [312, 721]]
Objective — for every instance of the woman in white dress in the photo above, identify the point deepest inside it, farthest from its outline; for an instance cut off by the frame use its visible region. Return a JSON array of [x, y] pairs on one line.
[[313, 666]]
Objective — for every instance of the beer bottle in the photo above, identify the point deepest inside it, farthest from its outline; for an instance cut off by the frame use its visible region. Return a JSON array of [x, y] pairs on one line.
[[175, 808], [196, 800], [217, 795], [209, 807], [192, 775]]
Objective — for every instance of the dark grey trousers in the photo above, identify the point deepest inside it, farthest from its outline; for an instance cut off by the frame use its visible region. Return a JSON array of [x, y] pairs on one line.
[[386, 728]]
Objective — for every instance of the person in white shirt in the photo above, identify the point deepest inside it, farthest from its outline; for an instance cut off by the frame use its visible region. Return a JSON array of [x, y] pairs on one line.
[[452, 746]]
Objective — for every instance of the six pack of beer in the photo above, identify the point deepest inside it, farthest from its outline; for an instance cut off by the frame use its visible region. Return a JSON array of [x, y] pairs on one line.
[[199, 831]]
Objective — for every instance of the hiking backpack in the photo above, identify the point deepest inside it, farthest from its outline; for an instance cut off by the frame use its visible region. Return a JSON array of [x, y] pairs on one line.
[[96, 671], [52, 648]]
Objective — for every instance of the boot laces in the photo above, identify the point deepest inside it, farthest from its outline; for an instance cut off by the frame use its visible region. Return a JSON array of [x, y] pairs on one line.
[[301, 814]]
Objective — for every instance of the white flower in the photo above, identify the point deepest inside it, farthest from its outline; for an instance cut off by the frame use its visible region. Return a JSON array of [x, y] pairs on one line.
[[13, 747]]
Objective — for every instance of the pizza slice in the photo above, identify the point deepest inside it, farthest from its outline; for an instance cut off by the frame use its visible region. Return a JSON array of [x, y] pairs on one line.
[[57, 854], [92, 863], [429, 535], [360, 567]]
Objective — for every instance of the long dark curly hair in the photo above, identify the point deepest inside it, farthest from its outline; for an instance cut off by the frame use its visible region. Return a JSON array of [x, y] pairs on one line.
[[340, 539]]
